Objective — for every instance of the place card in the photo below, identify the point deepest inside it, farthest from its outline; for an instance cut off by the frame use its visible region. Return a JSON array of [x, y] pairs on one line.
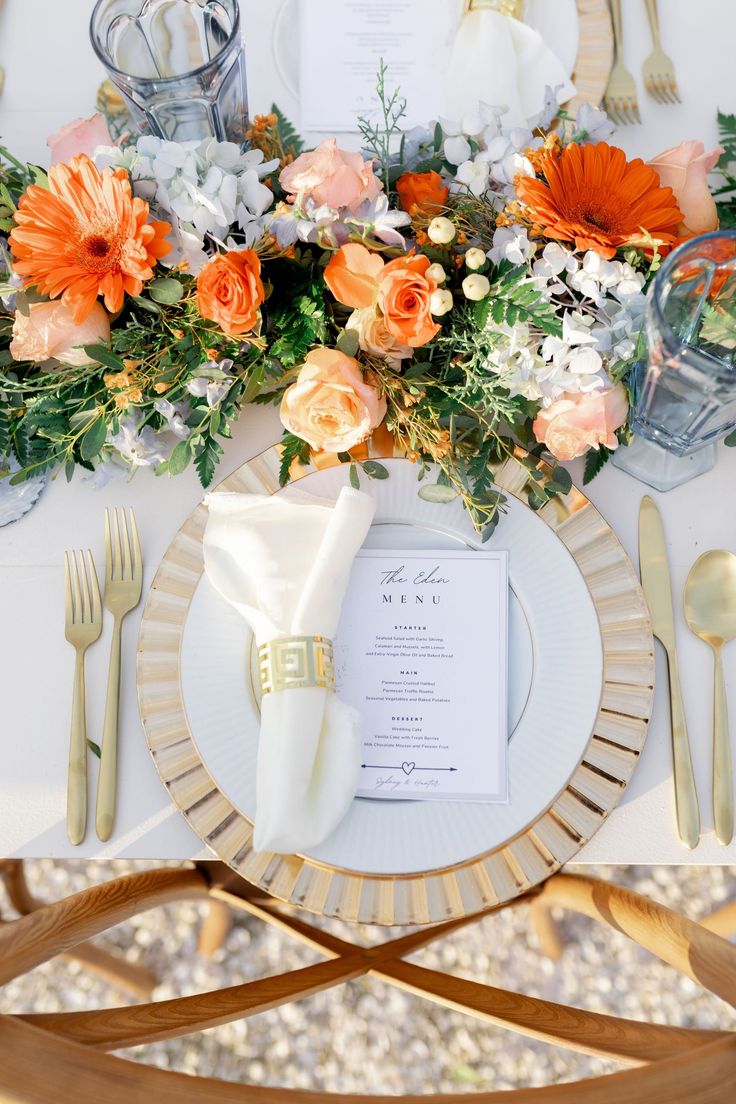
[[342, 43], [421, 653]]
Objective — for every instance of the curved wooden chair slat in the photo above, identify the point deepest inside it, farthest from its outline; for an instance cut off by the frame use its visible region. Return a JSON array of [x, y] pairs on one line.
[[38, 1068], [56, 928], [707, 958]]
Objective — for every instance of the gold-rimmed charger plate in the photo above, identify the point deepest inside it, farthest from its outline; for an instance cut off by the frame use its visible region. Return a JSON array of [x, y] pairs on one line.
[[548, 841]]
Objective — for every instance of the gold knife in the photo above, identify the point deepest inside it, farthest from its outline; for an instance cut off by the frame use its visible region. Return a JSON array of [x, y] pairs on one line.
[[655, 580]]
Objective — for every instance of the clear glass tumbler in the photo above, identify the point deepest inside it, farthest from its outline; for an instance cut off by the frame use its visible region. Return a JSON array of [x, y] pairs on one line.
[[685, 393], [180, 64]]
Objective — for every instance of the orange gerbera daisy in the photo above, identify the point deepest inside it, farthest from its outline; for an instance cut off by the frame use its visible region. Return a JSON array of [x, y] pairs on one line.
[[87, 235], [597, 199]]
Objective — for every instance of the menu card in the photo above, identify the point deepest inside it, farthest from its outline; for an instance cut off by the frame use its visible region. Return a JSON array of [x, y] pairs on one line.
[[342, 43], [421, 653]]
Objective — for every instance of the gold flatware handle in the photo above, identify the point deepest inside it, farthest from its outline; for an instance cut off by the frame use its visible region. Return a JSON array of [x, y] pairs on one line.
[[107, 782], [618, 37], [651, 6], [76, 792], [722, 772], [686, 797]]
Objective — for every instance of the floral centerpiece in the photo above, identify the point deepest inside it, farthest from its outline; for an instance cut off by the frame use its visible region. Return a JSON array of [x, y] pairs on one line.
[[475, 290]]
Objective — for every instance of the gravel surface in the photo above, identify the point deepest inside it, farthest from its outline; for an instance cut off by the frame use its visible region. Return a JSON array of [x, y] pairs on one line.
[[369, 1037]]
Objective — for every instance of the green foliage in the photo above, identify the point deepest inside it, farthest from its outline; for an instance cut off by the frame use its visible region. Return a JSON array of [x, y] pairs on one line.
[[292, 448], [289, 136], [378, 138], [513, 299], [595, 461], [297, 315]]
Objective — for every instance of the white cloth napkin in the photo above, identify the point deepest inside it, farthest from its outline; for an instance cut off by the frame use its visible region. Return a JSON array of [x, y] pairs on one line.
[[499, 60], [284, 562]]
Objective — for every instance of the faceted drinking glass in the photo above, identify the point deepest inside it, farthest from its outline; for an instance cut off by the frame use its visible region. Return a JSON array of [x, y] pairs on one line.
[[180, 64], [685, 392]]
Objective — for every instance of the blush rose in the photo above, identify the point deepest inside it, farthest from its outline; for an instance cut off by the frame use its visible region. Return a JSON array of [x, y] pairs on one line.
[[79, 136], [331, 176], [330, 406], [49, 330], [577, 422], [685, 169]]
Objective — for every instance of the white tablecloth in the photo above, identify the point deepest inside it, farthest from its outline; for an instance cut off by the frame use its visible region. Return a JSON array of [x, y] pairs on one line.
[[51, 77]]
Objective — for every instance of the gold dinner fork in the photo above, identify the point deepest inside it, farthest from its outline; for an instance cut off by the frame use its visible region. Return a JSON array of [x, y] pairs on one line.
[[123, 581], [83, 615], [658, 70], [619, 99]]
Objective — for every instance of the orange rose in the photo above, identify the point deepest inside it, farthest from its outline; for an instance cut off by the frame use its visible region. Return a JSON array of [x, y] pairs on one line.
[[230, 291], [404, 292], [331, 406], [352, 275], [422, 192]]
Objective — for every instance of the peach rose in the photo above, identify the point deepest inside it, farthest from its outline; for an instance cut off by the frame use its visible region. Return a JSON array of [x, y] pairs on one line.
[[375, 338], [422, 192], [685, 169], [404, 292], [230, 291], [79, 136], [352, 275], [49, 330], [331, 176], [577, 422], [331, 406]]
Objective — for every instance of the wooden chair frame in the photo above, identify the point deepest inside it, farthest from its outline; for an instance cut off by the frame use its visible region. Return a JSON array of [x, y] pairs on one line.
[[61, 1057]]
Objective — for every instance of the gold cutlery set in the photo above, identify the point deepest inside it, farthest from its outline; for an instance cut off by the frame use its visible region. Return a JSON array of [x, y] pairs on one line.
[[710, 612], [620, 98], [83, 614]]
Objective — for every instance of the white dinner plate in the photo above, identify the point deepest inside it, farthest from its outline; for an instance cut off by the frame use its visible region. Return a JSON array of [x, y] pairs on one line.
[[555, 671]]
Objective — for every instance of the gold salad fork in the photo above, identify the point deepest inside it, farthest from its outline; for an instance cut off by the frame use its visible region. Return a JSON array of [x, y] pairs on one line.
[[658, 70], [83, 615], [123, 581], [619, 99]]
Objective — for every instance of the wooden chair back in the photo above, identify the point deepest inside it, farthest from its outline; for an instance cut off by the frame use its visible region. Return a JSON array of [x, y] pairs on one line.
[[63, 1057]]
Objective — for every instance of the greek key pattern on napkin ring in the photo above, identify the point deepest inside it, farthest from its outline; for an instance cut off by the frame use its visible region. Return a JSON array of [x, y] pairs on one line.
[[296, 662]]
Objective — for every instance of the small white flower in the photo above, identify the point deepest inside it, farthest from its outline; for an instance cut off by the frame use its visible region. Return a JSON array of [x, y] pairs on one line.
[[592, 125], [213, 380], [440, 302], [457, 149], [476, 287], [437, 273], [475, 259], [140, 447], [511, 243], [374, 217], [552, 262], [441, 231], [174, 416], [474, 175]]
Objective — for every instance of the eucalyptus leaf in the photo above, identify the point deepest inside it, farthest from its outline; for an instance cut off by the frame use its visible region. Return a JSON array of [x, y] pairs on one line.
[[436, 492], [180, 457], [374, 470], [166, 290], [104, 355], [146, 304], [354, 477], [348, 342], [93, 439]]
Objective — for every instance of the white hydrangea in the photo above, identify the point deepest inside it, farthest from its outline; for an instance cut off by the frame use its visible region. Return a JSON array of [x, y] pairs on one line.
[[517, 360], [212, 381], [205, 188], [488, 156], [511, 243]]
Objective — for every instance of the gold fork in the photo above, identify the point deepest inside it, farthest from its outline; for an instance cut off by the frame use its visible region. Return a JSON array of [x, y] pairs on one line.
[[83, 615], [619, 98], [658, 70], [123, 581]]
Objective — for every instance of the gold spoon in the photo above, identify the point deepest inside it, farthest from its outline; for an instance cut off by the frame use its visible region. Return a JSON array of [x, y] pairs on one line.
[[710, 610]]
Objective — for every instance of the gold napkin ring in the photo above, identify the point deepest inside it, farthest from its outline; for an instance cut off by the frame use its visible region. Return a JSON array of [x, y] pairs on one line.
[[296, 662], [504, 7]]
